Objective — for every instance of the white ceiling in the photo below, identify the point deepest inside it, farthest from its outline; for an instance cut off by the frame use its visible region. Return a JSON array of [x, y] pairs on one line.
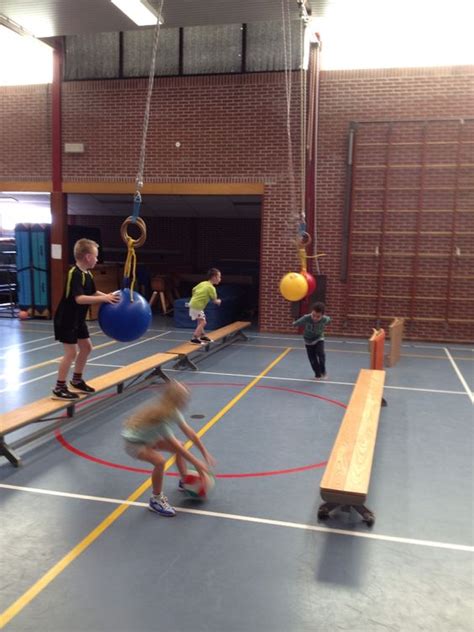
[[47, 18]]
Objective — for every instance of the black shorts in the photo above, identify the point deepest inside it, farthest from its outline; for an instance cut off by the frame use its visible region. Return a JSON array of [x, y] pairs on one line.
[[71, 336]]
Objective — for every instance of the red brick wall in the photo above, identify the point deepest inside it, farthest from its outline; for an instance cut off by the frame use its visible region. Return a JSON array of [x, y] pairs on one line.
[[232, 129], [384, 95], [25, 133]]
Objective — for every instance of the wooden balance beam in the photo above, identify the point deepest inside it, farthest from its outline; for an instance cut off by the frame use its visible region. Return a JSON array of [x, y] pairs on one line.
[[189, 353], [346, 479], [42, 409]]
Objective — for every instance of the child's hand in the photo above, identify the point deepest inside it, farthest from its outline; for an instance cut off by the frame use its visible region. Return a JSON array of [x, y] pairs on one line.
[[210, 460], [203, 470], [218, 301], [111, 298]]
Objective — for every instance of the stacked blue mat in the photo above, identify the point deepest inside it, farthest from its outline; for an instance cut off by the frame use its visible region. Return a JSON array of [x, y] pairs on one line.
[[216, 315], [32, 260]]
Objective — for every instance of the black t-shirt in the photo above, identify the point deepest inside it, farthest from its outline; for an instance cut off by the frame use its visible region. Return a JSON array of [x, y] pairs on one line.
[[69, 314]]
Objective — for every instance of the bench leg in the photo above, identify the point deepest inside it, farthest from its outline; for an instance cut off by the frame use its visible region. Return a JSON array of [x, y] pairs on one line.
[[184, 362], [70, 411], [367, 515], [158, 371], [325, 510], [8, 453]]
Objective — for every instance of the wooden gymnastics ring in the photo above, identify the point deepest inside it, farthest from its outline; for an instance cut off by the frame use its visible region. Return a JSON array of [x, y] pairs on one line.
[[126, 237]]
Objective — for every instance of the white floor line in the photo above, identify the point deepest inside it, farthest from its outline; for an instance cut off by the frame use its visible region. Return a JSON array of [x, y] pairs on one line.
[[51, 344], [135, 344], [22, 344], [41, 377], [252, 519], [15, 386], [460, 375], [322, 383]]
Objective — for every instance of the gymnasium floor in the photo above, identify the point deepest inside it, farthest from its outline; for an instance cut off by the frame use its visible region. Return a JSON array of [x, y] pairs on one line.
[[81, 552]]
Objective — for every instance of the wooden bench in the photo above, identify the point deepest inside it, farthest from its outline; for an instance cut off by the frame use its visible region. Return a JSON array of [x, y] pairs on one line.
[[189, 353], [346, 479], [43, 409]]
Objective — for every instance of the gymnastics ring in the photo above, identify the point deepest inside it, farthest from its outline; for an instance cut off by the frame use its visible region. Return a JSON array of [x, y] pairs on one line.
[[304, 239], [126, 237]]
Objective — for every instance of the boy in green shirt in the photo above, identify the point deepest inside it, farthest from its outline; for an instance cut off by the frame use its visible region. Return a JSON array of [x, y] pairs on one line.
[[201, 295], [313, 335]]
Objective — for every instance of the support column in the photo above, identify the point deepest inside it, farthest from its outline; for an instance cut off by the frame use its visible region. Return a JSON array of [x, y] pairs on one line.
[[59, 235]]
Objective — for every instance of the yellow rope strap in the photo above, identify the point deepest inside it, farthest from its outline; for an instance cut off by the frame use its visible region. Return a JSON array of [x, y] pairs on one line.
[[130, 268]]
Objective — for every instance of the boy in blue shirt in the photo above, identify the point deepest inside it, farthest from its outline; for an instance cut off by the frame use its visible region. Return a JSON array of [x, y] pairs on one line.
[[313, 335]]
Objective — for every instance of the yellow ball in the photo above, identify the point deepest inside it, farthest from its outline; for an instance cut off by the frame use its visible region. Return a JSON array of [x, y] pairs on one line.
[[293, 286]]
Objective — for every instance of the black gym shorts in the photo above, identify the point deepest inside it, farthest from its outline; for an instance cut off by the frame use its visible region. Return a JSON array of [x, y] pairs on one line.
[[71, 336]]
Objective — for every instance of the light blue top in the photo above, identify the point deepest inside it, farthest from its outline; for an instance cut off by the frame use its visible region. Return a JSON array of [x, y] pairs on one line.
[[141, 429]]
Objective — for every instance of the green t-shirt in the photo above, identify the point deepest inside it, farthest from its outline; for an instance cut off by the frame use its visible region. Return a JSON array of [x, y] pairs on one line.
[[202, 293], [313, 331]]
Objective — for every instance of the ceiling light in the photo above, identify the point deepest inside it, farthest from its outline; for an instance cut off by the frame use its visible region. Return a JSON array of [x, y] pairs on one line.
[[139, 11]]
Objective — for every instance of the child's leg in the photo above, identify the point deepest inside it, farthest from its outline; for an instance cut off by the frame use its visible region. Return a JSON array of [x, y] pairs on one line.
[[321, 357], [85, 347], [176, 447], [152, 456], [66, 361], [199, 331], [311, 352]]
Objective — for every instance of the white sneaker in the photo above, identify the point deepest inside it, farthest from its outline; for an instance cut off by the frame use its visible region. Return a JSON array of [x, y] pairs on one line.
[[160, 505]]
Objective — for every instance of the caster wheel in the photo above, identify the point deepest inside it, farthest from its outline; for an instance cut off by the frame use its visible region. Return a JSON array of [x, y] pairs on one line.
[[323, 514], [369, 520]]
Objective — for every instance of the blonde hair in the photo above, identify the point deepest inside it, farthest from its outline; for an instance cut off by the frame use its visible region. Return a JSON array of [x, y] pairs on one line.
[[84, 247], [174, 396]]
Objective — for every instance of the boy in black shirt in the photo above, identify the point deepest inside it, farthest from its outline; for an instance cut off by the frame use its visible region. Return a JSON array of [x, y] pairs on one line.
[[70, 319]]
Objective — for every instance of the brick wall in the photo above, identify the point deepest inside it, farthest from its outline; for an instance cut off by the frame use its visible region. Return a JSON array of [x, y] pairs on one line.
[[384, 95], [232, 129]]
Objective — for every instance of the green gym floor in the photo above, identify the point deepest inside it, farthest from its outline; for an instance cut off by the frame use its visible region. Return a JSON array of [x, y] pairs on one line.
[[81, 552]]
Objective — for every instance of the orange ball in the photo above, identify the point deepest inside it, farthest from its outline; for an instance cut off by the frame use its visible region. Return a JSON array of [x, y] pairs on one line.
[[23, 314]]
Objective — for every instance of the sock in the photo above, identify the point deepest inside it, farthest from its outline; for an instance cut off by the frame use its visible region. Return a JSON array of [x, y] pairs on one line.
[[60, 384], [77, 377]]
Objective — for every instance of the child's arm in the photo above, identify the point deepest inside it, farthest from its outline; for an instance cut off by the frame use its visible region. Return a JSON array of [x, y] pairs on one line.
[[192, 436], [327, 320], [201, 467], [218, 301], [98, 297], [299, 321]]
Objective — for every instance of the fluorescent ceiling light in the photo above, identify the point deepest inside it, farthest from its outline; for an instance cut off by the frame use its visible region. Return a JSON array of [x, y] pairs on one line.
[[139, 11]]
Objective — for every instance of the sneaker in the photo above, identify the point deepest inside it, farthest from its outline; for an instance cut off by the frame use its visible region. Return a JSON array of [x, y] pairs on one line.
[[64, 393], [317, 377], [160, 505], [206, 339], [181, 486], [324, 376], [82, 386], [196, 341]]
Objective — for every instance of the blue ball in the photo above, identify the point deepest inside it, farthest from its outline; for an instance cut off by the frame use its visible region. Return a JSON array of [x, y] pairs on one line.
[[125, 321]]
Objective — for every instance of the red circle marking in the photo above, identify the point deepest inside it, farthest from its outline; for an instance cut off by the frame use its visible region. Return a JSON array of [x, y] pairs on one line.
[[68, 446]]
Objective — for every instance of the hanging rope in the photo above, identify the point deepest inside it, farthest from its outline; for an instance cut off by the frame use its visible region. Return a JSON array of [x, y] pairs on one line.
[[130, 267], [297, 216], [146, 117]]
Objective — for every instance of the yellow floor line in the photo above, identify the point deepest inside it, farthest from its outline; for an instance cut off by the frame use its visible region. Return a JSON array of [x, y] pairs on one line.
[[7, 615]]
